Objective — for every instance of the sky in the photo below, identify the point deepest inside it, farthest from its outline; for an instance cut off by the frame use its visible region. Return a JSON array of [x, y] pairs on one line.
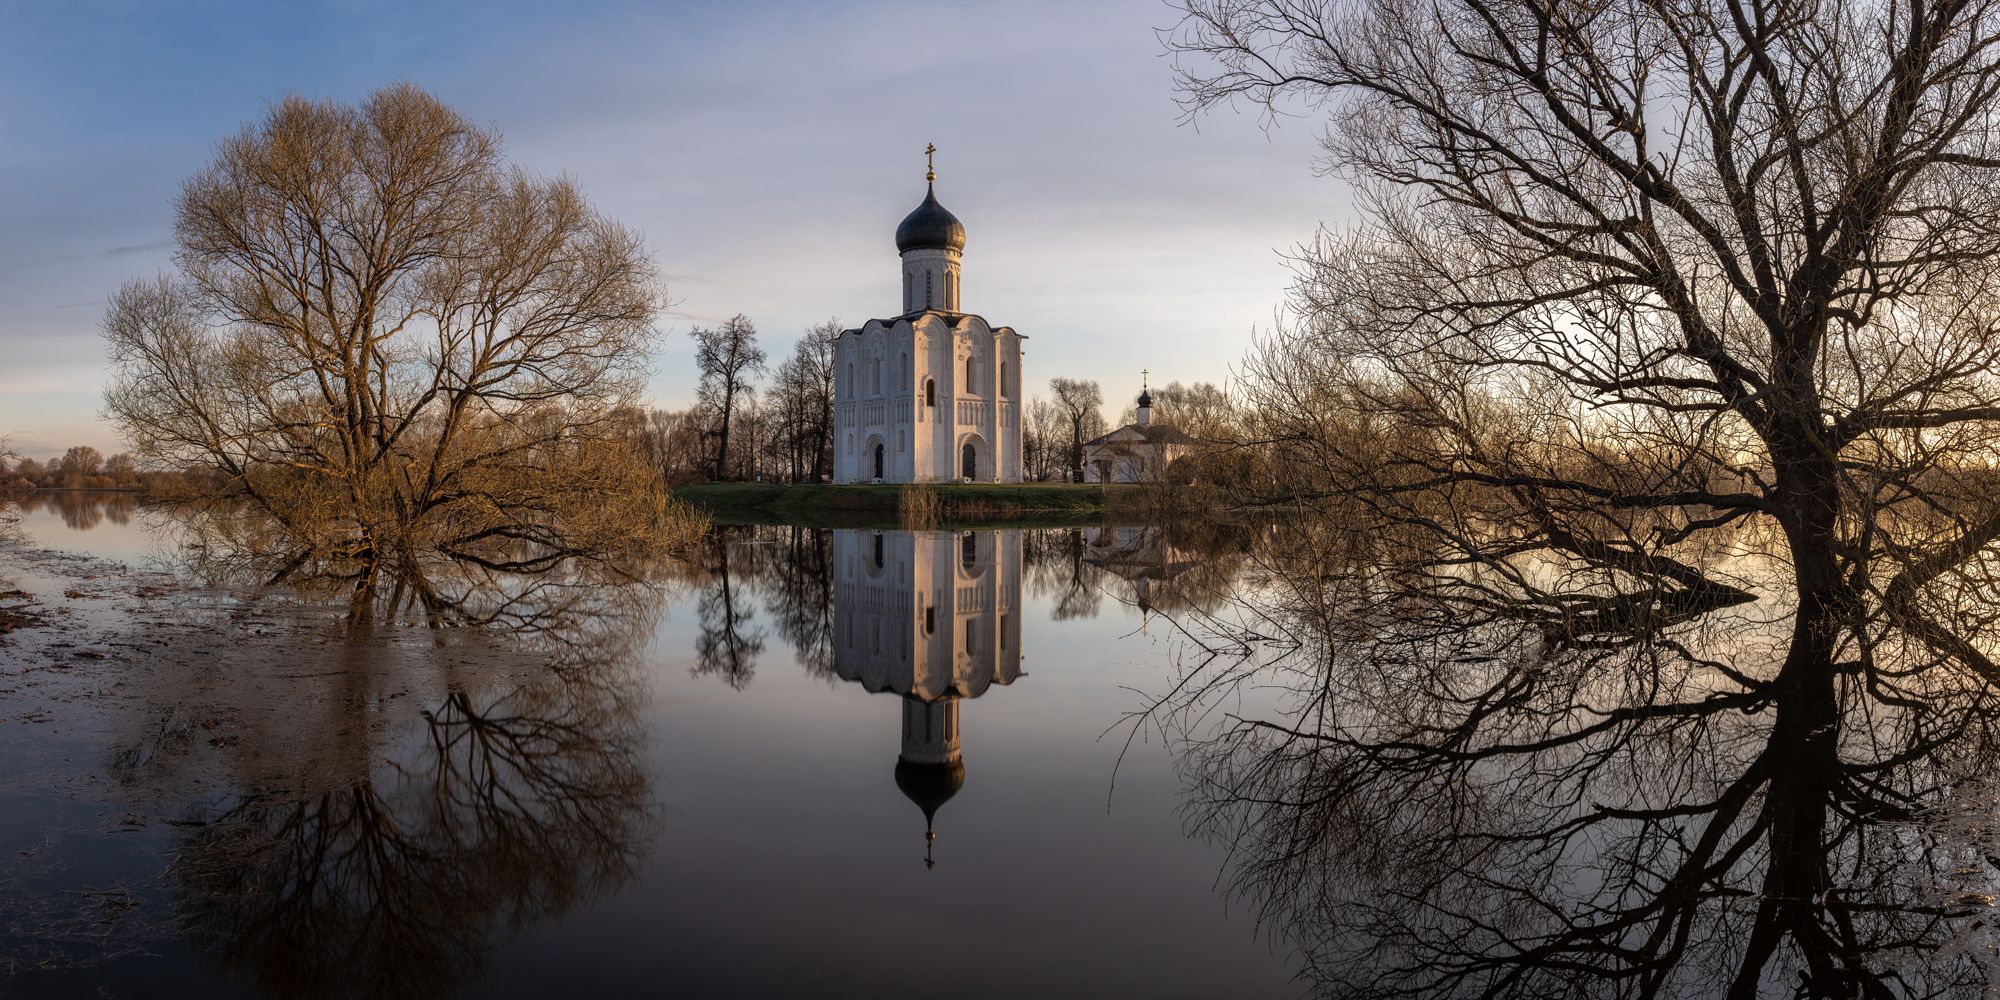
[[765, 151]]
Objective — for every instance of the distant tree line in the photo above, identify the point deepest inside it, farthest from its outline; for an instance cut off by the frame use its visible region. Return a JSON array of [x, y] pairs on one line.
[[79, 468]]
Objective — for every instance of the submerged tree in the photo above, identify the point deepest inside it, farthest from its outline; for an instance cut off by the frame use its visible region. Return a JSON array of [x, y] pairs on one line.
[[394, 346], [1662, 370]]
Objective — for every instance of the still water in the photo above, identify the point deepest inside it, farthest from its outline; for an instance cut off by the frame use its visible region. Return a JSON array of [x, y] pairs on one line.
[[825, 763]]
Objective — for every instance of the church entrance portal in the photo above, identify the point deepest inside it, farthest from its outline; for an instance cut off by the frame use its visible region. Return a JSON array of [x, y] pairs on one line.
[[970, 463], [878, 461]]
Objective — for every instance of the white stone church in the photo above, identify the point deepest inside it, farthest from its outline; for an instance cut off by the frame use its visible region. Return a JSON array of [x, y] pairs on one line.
[[934, 394]]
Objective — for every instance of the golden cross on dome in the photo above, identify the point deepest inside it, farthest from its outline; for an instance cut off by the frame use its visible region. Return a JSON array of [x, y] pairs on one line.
[[1145, 380], [930, 165]]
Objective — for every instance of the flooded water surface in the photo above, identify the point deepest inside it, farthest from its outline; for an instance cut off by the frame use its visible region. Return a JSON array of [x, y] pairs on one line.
[[808, 762]]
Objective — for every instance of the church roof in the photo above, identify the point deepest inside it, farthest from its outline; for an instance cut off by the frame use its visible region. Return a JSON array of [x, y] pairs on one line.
[[1150, 433], [930, 227], [950, 318]]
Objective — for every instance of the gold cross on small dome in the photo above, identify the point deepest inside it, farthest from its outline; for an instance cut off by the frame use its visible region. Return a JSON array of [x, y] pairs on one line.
[[930, 165]]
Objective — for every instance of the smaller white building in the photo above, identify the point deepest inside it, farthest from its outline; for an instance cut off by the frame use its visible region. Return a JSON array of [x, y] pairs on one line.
[[1139, 452]]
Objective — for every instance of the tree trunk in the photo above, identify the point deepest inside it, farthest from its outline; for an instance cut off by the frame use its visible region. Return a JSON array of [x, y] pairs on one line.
[[722, 446]]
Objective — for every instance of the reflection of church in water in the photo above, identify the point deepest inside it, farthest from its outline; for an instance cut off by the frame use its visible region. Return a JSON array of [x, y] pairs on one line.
[[933, 617]]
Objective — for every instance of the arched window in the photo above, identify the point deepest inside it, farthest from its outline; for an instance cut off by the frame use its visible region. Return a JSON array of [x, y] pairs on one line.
[[927, 289], [1002, 389], [906, 370], [875, 373], [930, 620], [968, 548], [970, 386], [930, 392], [850, 378]]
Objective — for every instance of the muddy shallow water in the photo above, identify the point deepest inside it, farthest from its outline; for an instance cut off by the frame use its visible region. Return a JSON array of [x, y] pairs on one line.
[[721, 790]]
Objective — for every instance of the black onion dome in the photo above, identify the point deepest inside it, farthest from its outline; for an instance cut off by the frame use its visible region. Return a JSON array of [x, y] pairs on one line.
[[930, 227], [1145, 397], [929, 785]]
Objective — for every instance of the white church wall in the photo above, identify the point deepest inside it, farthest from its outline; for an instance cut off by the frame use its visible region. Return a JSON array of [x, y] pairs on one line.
[[905, 385]]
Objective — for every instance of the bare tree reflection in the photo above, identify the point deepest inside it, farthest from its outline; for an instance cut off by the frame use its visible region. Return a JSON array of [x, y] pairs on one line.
[[728, 643], [551, 598], [1055, 568], [800, 595], [400, 882], [1616, 792], [82, 510], [375, 811]]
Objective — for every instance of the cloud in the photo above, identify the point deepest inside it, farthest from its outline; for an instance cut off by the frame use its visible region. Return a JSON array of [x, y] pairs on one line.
[[137, 248]]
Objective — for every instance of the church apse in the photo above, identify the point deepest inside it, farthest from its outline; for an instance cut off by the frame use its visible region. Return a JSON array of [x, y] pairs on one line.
[[932, 617]]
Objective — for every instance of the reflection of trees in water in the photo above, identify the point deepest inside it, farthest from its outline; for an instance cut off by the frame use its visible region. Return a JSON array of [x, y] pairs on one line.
[[798, 590], [1190, 564], [1053, 568], [728, 642], [81, 510], [788, 571], [549, 581], [556, 596], [1468, 789], [363, 847], [513, 810]]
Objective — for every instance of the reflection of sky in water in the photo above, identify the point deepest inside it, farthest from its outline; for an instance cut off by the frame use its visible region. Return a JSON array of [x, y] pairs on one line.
[[786, 859], [791, 861]]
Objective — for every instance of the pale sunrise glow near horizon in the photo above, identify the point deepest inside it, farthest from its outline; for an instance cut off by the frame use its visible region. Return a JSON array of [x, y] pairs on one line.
[[765, 151]]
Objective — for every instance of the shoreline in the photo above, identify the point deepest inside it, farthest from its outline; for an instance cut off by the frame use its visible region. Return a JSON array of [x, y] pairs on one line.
[[882, 504]]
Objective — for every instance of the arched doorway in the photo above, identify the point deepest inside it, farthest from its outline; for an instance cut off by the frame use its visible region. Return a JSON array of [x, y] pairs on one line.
[[974, 461], [878, 459]]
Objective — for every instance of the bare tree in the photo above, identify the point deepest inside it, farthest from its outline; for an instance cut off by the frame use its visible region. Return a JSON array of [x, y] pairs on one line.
[[1200, 409], [727, 356], [1078, 402], [78, 465], [1041, 427], [121, 468], [803, 398], [1639, 284], [391, 344], [674, 446]]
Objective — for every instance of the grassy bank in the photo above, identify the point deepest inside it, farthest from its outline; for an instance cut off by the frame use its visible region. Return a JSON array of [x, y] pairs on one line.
[[954, 502]]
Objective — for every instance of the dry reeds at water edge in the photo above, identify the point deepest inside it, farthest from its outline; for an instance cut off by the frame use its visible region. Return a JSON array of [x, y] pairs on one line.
[[919, 508]]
